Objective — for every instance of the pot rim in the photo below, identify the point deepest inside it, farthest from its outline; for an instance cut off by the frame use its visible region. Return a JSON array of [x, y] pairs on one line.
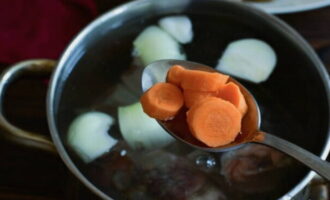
[[276, 22]]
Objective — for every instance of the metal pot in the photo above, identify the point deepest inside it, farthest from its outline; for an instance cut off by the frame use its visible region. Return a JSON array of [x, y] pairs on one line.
[[298, 92]]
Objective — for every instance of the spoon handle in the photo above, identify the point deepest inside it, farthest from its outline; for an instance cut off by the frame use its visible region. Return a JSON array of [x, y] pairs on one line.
[[310, 160]]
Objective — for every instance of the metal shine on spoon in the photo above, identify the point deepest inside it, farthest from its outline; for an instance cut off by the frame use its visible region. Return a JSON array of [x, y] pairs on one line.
[[157, 71]]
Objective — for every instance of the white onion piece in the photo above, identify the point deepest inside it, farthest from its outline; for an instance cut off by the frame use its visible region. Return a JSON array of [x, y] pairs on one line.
[[88, 135], [249, 59], [155, 44], [179, 27], [139, 130]]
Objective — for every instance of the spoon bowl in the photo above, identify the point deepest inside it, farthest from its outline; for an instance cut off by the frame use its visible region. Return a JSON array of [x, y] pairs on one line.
[[157, 72]]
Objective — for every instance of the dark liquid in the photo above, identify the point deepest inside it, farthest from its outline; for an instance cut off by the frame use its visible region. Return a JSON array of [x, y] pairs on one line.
[[293, 90]]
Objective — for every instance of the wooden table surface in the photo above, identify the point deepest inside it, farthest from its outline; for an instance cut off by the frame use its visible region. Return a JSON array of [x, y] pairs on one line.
[[33, 174]]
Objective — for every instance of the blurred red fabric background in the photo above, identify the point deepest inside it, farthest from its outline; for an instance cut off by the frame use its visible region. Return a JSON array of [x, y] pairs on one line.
[[40, 28]]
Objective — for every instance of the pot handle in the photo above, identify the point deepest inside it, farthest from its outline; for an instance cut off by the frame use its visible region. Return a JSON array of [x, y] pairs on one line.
[[26, 138]]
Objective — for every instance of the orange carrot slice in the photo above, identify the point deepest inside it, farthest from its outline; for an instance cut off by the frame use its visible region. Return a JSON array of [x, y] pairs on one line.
[[162, 101], [202, 81], [231, 92], [214, 121], [192, 97], [174, 75]]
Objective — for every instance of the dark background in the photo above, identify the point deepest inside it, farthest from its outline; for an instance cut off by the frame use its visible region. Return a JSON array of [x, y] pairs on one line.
[[33, 174]]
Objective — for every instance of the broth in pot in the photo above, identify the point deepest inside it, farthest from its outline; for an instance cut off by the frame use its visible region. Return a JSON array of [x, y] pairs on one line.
[[105, 76]]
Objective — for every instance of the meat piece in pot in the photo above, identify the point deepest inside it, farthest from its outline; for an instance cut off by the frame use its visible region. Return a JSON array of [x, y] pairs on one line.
[[209, 192], [152, 175], [170, 177], [254, 168]]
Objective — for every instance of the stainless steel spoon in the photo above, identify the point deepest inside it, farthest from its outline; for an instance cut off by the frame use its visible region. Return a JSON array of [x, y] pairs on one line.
[[157, 71]]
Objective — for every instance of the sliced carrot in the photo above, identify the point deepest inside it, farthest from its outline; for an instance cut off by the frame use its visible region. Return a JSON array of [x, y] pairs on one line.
[[162, 101], [174, 75], [231, 92], [202, 81], [191, 96], [214, 121]]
